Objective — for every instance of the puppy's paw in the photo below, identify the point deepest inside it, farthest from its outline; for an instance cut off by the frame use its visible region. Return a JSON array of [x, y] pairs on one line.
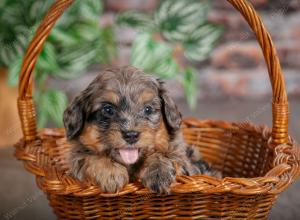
[[111, 177], [159, 176], [112, 181]]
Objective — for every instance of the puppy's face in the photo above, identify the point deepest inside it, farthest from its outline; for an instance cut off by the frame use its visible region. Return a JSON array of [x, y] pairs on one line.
[[123, 114]]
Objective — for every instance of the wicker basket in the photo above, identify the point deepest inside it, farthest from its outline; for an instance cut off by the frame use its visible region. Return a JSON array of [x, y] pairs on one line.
[[258, 162]]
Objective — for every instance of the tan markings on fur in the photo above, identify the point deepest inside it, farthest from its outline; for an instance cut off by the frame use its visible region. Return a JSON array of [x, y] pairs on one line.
[[115, 138], [146, 96], [109, 175], [146, 138], [111, 96], [178, 168], [90, 138], [161, 140], [106, 96]]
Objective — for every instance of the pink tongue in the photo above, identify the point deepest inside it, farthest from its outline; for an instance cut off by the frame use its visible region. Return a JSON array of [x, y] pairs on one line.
[[129, 156]]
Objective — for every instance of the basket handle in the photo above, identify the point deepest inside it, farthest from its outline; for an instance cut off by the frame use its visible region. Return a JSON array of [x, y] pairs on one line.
[[279, 103]]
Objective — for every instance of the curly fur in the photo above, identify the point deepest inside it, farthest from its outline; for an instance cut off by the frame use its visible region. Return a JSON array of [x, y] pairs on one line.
[[113, 113]]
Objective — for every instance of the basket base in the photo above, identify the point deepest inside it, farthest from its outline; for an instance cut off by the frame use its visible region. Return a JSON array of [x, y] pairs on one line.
[[188, 206], [240, 151]]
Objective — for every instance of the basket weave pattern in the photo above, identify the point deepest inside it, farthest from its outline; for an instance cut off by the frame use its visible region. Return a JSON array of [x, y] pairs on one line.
[[257, 162]]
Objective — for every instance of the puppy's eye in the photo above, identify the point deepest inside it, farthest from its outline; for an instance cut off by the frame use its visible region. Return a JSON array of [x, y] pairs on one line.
[[108, 110], [148, 110]]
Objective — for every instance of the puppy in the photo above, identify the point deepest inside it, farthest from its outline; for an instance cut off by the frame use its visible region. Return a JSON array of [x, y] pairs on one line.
[[124, 127]]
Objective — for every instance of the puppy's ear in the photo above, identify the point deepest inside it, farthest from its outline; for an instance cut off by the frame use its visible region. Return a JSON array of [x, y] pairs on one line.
[[74, 117], [170, 111]]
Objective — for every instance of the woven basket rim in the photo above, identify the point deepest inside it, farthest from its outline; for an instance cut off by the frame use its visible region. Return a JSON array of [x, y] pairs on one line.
[[285, 170]]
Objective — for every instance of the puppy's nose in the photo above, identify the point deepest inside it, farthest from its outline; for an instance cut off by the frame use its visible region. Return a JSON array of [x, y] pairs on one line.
[[130, 137]]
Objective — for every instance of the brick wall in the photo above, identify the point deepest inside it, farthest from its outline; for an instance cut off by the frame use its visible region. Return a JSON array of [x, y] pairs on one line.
[[236, 67]]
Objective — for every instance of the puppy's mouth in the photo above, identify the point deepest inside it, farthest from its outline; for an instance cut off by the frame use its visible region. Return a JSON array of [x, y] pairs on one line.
[[129, 155]]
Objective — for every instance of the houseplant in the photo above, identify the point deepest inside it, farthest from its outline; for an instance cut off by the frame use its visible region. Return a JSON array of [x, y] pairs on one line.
[[76, 43], [171, 39]]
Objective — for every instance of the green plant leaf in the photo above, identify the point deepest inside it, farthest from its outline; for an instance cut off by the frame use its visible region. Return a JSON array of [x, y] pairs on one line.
[[75, 60], [63, 37], [11, 50], [87, 32], [40, 79], [47, 61], [52, 105], [106, 46], [167, 69], [190, 86], [91, 9], [135, 20], [177, 17], [199, 43], [87, 10], [14, 71], [2, 3], [43, 116], [37, 9], [7, 54], [153, 56]]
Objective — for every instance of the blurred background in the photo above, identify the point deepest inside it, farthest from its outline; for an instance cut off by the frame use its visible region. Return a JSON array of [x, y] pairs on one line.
[[204, 50]]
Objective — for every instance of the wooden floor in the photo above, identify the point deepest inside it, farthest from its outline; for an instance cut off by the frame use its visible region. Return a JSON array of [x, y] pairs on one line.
[[20, 199]]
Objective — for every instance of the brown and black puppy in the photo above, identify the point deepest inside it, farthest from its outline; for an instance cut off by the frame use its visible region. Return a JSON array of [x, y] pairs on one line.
[[124, 127]]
